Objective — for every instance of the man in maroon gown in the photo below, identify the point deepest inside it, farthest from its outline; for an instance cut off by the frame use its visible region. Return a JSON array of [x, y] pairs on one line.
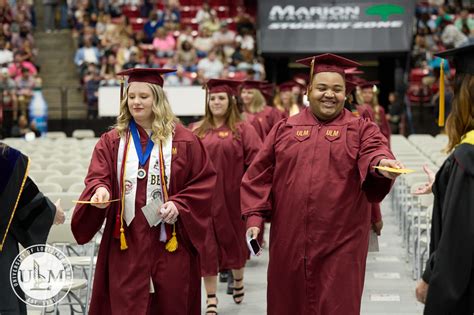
[[125, 278], [312, 174]]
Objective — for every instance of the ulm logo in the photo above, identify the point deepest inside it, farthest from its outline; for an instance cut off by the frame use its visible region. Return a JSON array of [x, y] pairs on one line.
[[385, 10]]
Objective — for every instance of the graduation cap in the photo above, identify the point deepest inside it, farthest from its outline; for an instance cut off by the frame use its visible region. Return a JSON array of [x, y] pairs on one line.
[[223, 85], [287, 86], [327, 63], [252, 84], [463, 61], [147, 75], [302, 79], [350, 86], [368, 84]]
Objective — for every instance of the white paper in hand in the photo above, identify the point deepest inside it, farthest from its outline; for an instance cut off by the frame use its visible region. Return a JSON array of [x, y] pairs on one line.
[[151, 212]]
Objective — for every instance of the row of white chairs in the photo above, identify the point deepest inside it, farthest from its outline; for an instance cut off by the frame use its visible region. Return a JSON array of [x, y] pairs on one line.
[[78, 166], [414, 212]]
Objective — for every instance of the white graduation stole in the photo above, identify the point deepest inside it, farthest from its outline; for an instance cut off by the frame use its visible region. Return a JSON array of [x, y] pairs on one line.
[[153, 189]]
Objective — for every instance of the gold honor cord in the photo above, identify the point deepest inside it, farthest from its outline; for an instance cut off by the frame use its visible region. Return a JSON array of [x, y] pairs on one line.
[[16, 203], [123, 240]]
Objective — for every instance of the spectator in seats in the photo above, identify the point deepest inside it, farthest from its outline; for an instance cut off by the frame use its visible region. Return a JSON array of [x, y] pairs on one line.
[[114, 8], [465, 23], [225, 39], [86, 55], [9, 99], [49, 11], [186, 35], [92, 94], [24, 89], [6, 15], [109, 70], [152, 26], [124, 29], [187, 56], [164, 43], [420, 51], [450, 35], [171, 17], [29, 53], [213, 24], [132, 62], [171, 63], [246, 40], [210, 67], [18, 64], [204, 13], [144, 61], [203, 43], [91, 33], [24, 35], [127, 47], [6, 55], [34, 129], [101, 26], [396, 110], [20, 20], [21, 7], [243, 20], [179, 79], [21, 128]]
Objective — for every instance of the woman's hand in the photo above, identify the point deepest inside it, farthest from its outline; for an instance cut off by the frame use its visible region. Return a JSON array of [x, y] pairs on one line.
[[427, 187], [421, 291], [169, 212], [59, 217], [101, 195]]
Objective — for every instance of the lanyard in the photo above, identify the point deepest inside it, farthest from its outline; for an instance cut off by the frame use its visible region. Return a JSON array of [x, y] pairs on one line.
[[142, 157]]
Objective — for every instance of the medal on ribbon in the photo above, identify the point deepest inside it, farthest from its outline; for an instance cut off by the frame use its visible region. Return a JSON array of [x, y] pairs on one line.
[[142, 157]]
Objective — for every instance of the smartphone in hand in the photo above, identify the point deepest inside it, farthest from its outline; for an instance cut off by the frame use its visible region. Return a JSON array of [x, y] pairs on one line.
[[254, 247]]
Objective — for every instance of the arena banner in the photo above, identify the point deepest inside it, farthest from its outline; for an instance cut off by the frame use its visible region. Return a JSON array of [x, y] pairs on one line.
[[343, 26]]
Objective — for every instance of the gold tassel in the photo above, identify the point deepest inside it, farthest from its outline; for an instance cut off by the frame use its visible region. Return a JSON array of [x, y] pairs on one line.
[[172, 244], [123, 241], [122, 83], [441, 95], [311, 72]]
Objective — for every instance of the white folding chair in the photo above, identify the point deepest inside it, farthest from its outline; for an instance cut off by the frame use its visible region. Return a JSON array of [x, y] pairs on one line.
[[47, 188], [64, 168], [56, 135], [64, 180], [83, 133], [77, 188], [40, 176]]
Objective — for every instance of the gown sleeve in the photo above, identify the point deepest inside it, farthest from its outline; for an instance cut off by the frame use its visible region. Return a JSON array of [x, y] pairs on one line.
[[87, 219], [450, 266], [34, 216], [193, 201], [373, 148], [256, 187]]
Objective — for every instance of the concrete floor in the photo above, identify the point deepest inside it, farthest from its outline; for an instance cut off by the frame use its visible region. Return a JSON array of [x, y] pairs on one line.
[[388, 289]]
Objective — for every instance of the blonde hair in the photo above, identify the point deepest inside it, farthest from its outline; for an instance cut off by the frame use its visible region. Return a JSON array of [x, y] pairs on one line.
[[232, 117], [258, 102], [461, 118], [164, 120]]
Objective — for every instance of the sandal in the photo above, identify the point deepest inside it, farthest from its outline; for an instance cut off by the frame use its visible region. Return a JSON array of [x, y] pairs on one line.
[[211, 308], [239, 292]]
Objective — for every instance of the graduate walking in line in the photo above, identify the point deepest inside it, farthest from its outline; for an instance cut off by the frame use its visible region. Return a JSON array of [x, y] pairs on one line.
[[447, 285], [311, 176], [148, 261], [232, 144]]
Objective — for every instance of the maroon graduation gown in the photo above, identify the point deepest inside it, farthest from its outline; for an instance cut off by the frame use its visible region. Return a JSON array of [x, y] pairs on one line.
[[231, 156], [311, 177], [122, 277], [265, 120]]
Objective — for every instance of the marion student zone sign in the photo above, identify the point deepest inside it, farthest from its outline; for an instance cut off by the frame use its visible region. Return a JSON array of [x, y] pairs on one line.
[[308, 26]]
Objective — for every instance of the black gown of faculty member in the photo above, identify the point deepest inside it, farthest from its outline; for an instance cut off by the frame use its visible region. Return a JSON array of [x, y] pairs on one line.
[[450, 268], [31, 222]]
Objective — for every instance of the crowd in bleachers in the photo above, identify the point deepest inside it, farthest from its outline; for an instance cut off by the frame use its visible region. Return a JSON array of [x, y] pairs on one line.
[[18, 65], [200, 40], [440, 25]]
